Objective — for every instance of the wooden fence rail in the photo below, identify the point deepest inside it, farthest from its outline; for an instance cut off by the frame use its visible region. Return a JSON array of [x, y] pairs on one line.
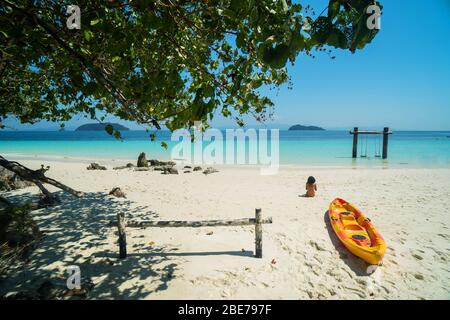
[[257, 222]]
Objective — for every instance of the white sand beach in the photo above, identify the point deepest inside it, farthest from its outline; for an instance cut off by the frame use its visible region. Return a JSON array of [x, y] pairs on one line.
[[302, 258]]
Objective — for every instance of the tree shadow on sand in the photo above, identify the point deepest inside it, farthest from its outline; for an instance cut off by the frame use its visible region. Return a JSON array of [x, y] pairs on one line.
[[354, 263], [74, 232]]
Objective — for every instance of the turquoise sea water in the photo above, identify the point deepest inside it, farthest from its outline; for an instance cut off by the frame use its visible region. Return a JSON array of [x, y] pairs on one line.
[[308, 148]]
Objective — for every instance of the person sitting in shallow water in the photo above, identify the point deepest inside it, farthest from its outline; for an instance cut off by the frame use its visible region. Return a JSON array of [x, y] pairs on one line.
[[311, 187]]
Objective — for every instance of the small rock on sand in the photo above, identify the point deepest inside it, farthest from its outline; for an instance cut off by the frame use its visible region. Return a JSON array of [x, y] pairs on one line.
[[142, 169], [210, 170], [95, 166], [56, 289], [170, 171], [162, 168], [117, 192], [128, 165], [142, 160], [154, 163]]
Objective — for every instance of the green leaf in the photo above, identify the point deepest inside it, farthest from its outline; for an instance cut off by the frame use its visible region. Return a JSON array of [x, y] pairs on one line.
[[88, 35], [285, 6], [333, 8], [276, 57], [164, 145], [109, 128], [95, 21], [362, 35], [208, 91], [240, 40], [297, 42], [337, 39]]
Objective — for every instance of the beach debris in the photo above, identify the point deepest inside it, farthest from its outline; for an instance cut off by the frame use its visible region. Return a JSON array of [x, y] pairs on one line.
[[154, 163], [11, 181], [52, 289], [151, 243], [56, 289], [187, 171], [210, 233], [162, 168], [187, 167], [210, 170], [117, 192], [95, 166], [142, 169], [197, 168], [169, 170], [273, 261], [128, 165], [142, 160]]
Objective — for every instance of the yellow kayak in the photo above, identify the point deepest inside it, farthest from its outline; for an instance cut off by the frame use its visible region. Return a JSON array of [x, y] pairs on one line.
[[356, 232]]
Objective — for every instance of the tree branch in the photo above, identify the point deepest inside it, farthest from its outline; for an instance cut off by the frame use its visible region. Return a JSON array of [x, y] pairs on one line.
[[98, 74], [37, 177]]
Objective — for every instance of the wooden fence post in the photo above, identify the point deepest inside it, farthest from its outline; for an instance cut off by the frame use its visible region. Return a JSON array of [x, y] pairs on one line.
[[122, 235], [258, 234], [355, 143], [385, 142]]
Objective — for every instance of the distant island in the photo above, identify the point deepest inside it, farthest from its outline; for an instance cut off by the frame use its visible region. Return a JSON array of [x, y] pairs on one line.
[[299, 127], [100, 127]]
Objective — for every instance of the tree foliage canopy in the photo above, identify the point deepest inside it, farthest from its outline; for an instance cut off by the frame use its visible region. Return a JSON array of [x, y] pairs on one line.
[[161, 61]]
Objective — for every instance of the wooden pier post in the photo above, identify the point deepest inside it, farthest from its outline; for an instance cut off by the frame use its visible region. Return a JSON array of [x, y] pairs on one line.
[[385, 142], [258, 234], [355, 143], [122, 235]]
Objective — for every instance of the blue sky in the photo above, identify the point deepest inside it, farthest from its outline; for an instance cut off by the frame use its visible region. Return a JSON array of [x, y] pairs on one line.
[[400, 80]]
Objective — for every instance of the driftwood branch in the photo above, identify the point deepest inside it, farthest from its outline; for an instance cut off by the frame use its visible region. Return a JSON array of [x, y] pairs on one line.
[[36, 176], [196, 224]]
